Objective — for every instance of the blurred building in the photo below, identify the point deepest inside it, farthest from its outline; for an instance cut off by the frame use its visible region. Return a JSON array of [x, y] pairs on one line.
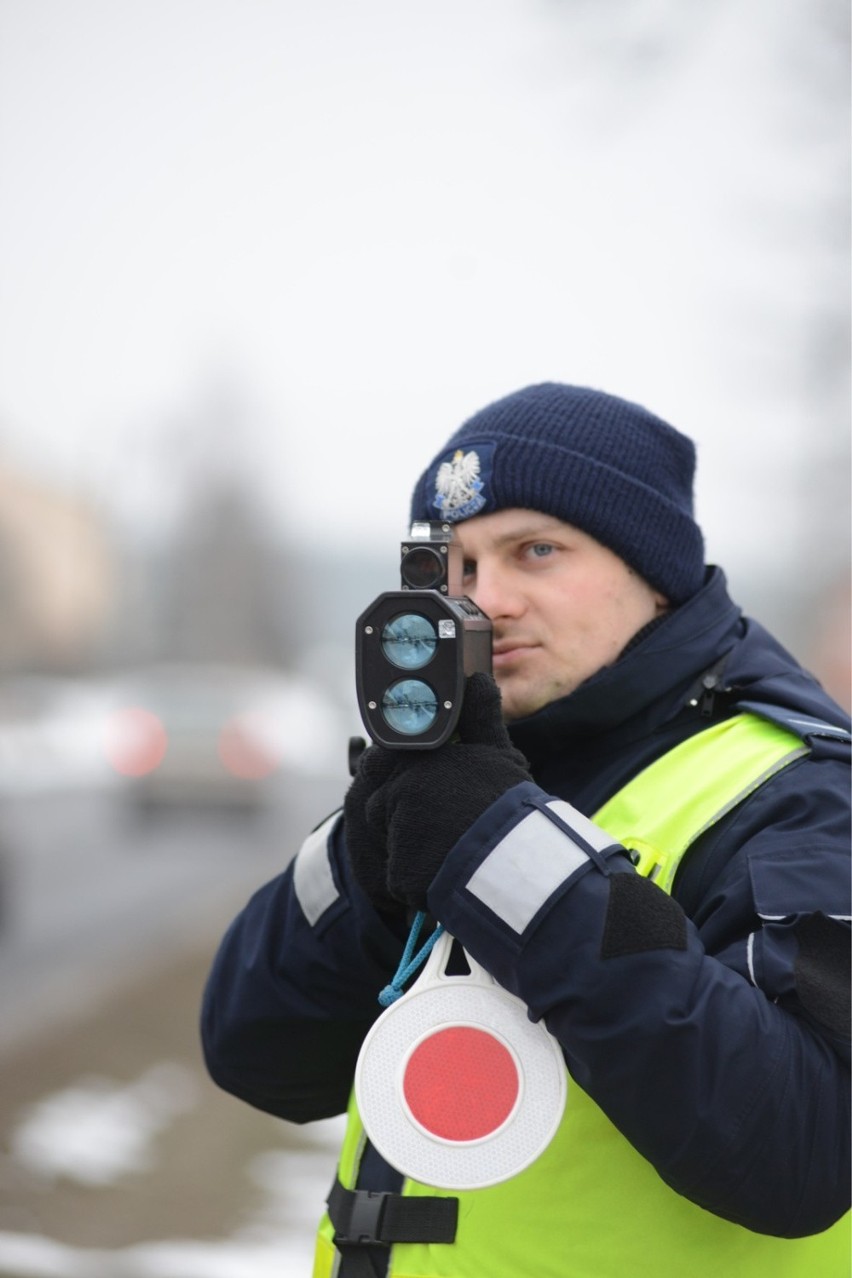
[[57, 577], [829, 654]]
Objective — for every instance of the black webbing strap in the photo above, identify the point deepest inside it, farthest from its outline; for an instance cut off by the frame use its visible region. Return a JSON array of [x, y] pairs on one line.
[[362, 1218]]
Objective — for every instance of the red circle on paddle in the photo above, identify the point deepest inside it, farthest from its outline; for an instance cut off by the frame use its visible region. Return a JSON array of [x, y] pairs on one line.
[[461, 1083]]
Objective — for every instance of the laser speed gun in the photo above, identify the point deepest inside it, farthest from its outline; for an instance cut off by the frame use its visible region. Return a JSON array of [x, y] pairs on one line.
[[414, 647]]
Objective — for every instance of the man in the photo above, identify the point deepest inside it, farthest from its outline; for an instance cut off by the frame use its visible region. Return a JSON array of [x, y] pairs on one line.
[[653, 858]]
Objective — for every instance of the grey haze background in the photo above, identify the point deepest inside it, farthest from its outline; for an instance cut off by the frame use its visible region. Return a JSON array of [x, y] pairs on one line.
[[298, 241], [257, 259]]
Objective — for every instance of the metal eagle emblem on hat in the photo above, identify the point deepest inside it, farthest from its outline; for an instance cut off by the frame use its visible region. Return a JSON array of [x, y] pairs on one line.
[[458, 488]]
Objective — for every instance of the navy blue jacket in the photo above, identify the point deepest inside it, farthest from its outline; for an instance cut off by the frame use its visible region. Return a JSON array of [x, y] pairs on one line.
[[725, 1058]]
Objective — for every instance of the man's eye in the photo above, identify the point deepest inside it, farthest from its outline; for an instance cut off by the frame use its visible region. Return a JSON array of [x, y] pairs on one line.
[[541, 549], [469, 568]]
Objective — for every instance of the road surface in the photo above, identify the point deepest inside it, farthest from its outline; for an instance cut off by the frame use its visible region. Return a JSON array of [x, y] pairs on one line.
[[120, 1159]]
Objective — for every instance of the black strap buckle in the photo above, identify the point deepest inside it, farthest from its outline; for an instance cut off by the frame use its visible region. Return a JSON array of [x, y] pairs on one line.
[[364, 1217], [362, 1223]]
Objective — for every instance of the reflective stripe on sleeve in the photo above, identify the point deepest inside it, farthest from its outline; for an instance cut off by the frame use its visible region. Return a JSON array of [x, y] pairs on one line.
[[533, 861], [313, 880]]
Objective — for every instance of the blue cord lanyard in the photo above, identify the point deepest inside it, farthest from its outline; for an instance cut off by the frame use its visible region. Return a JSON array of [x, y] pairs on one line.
[[410, 961]]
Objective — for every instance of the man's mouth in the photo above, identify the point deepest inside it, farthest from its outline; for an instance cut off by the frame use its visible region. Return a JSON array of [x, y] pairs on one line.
[[507, 651]]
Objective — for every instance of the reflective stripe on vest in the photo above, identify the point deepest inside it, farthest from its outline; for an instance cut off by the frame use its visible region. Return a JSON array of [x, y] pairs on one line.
[[659, 814], [591, 1206]]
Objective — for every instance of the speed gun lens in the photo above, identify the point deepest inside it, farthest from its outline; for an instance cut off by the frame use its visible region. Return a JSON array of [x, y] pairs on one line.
[[423, 568], [410, 707], [409, 641]]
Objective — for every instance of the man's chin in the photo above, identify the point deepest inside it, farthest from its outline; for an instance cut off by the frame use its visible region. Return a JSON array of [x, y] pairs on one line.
[[517, 703], [520, 700]]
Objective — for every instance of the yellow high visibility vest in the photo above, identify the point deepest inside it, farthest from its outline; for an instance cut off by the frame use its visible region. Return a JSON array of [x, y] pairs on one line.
[[591, 1206]]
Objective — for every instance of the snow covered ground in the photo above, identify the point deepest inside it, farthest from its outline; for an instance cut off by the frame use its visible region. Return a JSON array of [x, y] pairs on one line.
[[97, 1132]]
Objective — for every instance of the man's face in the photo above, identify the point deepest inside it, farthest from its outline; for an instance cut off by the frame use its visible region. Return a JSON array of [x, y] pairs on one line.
[[562, 605]]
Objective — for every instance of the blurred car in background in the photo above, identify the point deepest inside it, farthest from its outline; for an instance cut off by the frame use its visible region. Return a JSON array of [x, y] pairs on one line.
[[217, 736], [170, 735]]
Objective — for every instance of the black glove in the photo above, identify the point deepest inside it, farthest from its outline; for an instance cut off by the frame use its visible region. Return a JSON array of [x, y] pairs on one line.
[[365, 847], [408, 808]]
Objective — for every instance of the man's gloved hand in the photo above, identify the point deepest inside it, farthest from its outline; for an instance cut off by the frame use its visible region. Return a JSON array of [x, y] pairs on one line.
[[366, 847], [407, 808]]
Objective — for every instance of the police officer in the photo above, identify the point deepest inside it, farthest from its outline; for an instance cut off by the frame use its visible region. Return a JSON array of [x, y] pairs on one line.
[[642, 833]]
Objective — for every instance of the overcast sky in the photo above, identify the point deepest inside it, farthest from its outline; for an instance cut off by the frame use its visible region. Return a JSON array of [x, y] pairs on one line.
[[309, 237]]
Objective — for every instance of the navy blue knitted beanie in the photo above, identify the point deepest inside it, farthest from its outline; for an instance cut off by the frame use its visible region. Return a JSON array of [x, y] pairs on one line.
[[603, 464]]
